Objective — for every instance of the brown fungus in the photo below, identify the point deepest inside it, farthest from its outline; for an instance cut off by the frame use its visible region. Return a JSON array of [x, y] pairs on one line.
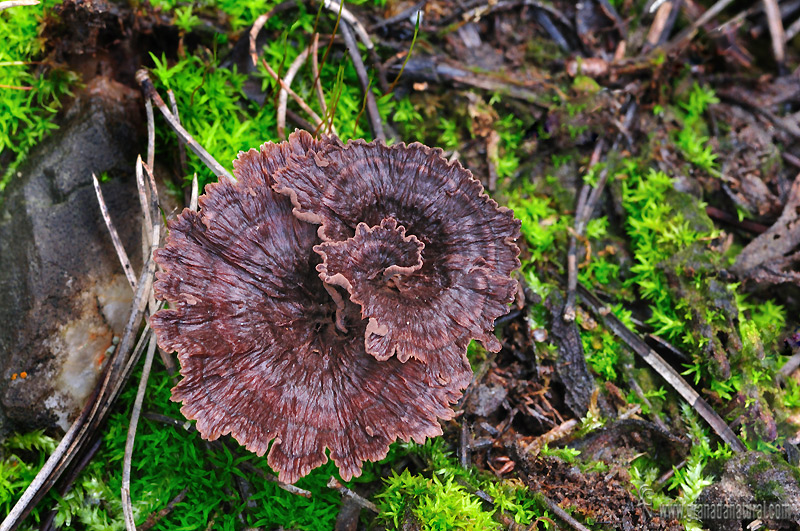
[[272, 351]]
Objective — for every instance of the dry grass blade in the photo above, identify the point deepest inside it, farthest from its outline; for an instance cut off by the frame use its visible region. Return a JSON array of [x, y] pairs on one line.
[[173, 104], [775, 23], [315, 72], [121, 254], [143, 78], [375, 122], [195, 194], [127, 508], [283, 95], [144, 204]]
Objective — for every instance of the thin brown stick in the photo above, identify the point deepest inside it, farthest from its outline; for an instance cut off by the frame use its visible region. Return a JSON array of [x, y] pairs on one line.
[[112, 231], [555, 434], [155, 517], [283, 94], [564, 515], [259, 23], [376, 125], [315, 74], [303, 105], [333, 483], [127, 508], [660, 24], [173, 104], [665, 370], [143, 78], [299, 120], [687, 34], [350, 18], [16, 3], [144, 203], [773, 13]]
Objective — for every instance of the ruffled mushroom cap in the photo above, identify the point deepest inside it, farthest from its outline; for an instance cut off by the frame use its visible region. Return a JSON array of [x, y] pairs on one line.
[[468, 247], [266, 352]]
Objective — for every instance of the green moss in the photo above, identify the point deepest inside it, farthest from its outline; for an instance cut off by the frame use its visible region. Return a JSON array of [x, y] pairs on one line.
[[443, 496], [693, 138], [29, 93]]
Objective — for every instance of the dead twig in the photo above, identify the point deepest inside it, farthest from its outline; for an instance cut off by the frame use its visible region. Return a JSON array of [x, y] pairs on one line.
[[773, 13], [17, 3], [792, 31], [259, 23], [144, 203], [300, 101], [112, 231], [127, 508], [173, 104], [333, 483], [155, 517], [350, 18], [665, 370], [662, 25], [143, 78], [409, 15], [315, 73], [283, 95], [555, 434], [375, 122], [689, 33], [563, 515]]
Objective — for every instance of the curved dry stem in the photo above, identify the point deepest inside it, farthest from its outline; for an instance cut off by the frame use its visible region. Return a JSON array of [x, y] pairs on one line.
[[283, 94]]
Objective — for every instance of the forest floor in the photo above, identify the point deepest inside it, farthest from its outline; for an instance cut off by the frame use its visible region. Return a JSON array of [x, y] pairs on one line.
[[651, 151]]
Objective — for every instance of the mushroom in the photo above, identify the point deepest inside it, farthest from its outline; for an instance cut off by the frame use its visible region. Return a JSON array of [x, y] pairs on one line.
[[293, 288]]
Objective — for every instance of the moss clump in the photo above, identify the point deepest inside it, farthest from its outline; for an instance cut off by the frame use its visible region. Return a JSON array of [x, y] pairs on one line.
[[443, 497], [29, 92]]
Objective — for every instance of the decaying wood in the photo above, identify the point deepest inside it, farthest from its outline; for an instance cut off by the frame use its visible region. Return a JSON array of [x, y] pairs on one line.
[[770, 257]]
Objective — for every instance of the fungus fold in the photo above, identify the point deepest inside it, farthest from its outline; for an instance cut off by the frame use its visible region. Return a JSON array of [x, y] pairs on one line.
[[326, 299]]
